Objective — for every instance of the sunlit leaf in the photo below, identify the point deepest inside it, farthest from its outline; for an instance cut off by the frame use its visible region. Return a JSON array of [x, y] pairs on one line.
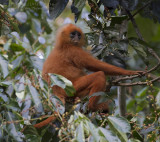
[[4, 66], [26, 106], [21, 17], [134, 140], [120, 126], [35, 95], [158, 99], [4, 97], [41, 40], [80, 133], [93, 131], [37, 62], [20, 85], [36, 25], [109, 135], [15, 34], [57, 104], [17, 62], [63, 83], [17, 135]]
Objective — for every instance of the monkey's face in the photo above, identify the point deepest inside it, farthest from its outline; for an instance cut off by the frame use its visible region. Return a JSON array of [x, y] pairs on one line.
[[71, 35], [75, 37]]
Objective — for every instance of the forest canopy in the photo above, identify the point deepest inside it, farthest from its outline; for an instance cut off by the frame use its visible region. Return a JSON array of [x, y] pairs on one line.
[[124, 33]]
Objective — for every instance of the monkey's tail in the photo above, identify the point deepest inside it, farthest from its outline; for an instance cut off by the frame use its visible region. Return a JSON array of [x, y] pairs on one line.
[[47, 121]]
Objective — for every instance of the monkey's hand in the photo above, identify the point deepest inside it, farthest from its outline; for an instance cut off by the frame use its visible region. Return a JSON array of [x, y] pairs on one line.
[[137, 73]]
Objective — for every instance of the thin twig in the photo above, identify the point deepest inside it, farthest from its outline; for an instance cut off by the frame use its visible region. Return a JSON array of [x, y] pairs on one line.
[[138, 83]]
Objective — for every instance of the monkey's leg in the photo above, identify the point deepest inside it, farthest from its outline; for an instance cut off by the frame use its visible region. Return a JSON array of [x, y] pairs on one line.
[[89, 84]]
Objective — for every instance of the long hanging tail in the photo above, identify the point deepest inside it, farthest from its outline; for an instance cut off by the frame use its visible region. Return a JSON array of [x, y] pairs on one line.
[[47, 121]]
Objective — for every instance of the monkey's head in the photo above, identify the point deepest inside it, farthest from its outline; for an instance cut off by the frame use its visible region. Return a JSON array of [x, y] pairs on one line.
[[71, 35]]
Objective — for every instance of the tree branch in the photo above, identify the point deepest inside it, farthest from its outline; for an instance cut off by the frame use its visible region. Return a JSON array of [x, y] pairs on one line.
[[116, 82], [141, 8], [139, 83]]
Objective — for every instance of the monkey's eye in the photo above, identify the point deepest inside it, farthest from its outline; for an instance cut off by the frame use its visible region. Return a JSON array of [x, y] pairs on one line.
[[79, 35], [74, 34]]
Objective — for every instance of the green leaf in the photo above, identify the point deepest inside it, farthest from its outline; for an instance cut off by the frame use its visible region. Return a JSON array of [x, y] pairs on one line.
[[142, 104], [120, 123], [36, 26], [6, 83], [19, 86], [80, 133], [17, 62], [63, 83], [46, 26], [134, 140], [77, 7], [120, 126], [35, 95], [11, 128], [158, 99], [34, 6], [137, 135], [37, 62], [117, 20], [12, 105], [4, 97], [4, 66], [110, 137], [56, 7], [131, 104], [56, 80], [31, 134], [21, 17], [7, 44], [16, 47], [94, 131], [26, 106], [140, 47], [98, 94], [142, 93]]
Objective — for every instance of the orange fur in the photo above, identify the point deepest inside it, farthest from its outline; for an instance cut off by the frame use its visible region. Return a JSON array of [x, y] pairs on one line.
[[69, 59]]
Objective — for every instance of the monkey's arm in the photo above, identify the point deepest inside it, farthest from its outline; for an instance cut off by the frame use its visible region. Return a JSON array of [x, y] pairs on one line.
[[84, 59]]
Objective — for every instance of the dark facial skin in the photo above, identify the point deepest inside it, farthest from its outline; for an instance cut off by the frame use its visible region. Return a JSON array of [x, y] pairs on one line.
[[75, 36]]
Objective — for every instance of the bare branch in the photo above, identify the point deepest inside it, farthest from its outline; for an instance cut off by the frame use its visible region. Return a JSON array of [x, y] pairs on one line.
[[138, 83]]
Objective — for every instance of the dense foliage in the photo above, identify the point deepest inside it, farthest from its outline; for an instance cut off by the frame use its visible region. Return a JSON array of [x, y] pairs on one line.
[[27, 30]]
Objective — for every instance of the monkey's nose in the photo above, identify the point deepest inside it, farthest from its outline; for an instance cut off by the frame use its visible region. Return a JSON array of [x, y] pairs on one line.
[[76, 39]]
